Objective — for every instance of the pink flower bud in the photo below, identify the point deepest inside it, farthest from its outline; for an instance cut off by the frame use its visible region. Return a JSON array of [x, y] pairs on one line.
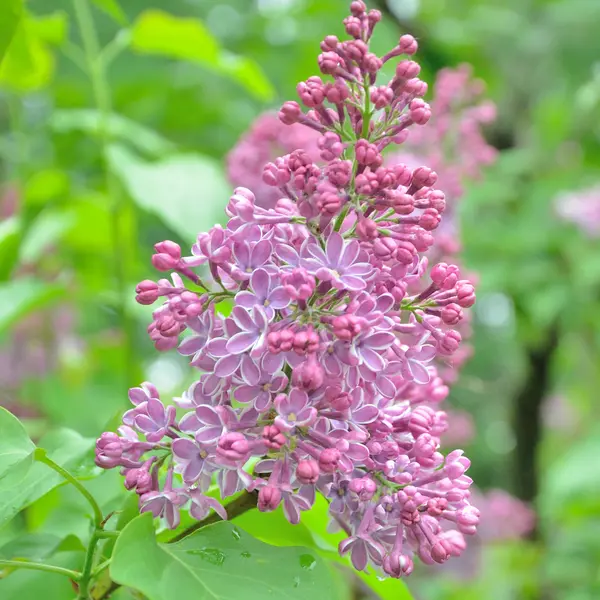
[[269, 498], [429, 219], [382, 96], [308, 375], [420, 111], [407, 69], [290, 113], [450, 342], [439, 552], [451, 314], [138, 479], [407, 45], [329, 459], [307, 471], [364, 487], [146, 292], [465, 294], [445, 276], [367, 154], [273, 438], [233, 447], [366, 229], [328, 62]]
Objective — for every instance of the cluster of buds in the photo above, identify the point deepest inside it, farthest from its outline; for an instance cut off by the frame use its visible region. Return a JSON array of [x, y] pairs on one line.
[[322, 378]]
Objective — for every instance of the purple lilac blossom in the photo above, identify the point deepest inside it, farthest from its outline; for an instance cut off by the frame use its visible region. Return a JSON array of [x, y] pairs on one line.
[[331, 389]]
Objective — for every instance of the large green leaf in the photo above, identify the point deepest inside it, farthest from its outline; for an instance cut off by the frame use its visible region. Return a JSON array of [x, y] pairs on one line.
[[23, 482], [10, 14], [188, 192], [19, 297], [113, 9], [15, 445], [220, 562], [158, 32], [87, 120]]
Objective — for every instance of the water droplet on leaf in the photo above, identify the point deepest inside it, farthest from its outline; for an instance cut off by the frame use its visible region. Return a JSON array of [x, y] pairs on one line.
[[211, 555], [235, 532], [296, 582], [246, 554], [307, 562]]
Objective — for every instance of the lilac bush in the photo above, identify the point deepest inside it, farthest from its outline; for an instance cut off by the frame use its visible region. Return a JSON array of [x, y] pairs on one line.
[[323, 378]]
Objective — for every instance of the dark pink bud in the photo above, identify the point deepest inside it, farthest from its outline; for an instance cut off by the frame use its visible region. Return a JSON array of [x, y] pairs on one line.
[[405, 252], [330, 145], [339, 172], [290, 113], [308, 375], [306, 342], [307, 471], [329, 459], [353, 27], [450, 342], [451, 314], [445, 276], [337, 92], [299, 284], [397, 565], [311, 92], [467, 520], [371, 63], [407, 45], [329, 62], [358, 8], [347, 327], [269, 498], [436, 506], [430, 219], [280, 341], [138, 479], [421, 420], [146, 292], [366, 229], [439, 552], [364, 487], [233, 447], [168, 247], [273, 438], [420, 111], [423, 177], [164, 262], [382, 96], [367, 154], [329, 43], [403, 204], [385, 248], [465, 294], [407, 69]]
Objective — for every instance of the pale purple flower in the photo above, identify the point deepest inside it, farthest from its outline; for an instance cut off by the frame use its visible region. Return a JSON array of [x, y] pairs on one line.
[[252, 330], [338, 264], [264, 293], [260, 390], [191, 459], [248, 258], [154, 419], [294, 410]]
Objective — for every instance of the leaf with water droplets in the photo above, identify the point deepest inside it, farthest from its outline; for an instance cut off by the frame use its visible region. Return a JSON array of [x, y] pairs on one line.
[[219, 562]]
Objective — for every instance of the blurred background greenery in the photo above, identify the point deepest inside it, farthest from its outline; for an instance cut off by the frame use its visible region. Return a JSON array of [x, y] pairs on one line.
[[114, 124]]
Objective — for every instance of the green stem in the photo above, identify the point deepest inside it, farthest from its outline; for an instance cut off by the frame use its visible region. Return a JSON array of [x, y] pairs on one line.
[[41, 456], [18, 564], [86, 574], [96, 68], [101, 567]]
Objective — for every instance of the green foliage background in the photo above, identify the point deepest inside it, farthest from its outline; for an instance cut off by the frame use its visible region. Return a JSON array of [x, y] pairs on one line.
[[106, 154]]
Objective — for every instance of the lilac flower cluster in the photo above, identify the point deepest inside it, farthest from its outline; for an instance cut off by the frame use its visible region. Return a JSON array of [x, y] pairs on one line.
[[321, 379], [267, 139], [582, 208]]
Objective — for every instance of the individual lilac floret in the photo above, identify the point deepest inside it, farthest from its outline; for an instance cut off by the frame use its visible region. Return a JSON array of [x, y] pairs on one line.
[[316, 326]]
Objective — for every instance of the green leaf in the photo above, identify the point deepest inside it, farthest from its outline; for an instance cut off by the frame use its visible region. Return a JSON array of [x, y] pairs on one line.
[[87, 120], [28, 65], [188, 192], [23, 483], [220, 562], [19, 297], [10, 240], [52, 28], [10, 15], [15, 444], [39, 546], [158, 32], [47, 229], [112, 9]]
